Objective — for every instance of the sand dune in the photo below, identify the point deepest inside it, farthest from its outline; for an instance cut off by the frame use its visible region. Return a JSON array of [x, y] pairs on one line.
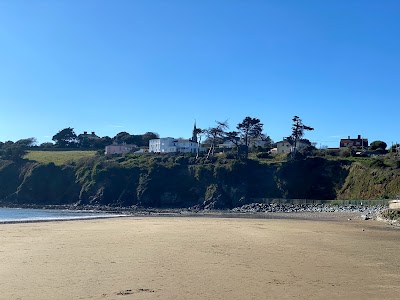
[[200, 258]]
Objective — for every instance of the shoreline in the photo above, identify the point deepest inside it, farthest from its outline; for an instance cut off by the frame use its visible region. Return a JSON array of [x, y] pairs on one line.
[[60, 219], [251, 207], [318, 212], [216, 214]]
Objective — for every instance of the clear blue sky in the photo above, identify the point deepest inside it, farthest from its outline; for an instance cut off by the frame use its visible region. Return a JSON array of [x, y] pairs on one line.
[[156, 65]]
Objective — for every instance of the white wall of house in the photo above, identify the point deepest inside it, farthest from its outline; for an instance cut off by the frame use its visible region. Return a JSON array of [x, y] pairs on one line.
[[283, 147], [186, 146], [162, 145]]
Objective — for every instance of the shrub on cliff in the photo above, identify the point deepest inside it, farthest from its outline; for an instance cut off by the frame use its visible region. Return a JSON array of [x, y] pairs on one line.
[[263, 155], [16, 151]]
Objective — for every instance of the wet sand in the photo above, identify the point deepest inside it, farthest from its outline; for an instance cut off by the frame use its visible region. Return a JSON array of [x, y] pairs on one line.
[[200, 258]]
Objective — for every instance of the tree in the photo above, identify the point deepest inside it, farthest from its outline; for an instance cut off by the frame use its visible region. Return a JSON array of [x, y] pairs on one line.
[[234, 137], [122, 137], [46, 145], [215, 135], [85, 142], [14, 151], [268, 141], [147, 137], [298, 129], [308, 151], [66, 138], [307, 142], [395, 148], [29, 142], [263, 143], [101, 143], [249, 128], [378, 145], [198, 134]]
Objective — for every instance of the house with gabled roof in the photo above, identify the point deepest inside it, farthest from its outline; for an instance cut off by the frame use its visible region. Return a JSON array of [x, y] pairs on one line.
[[86, 135], [359, 142]]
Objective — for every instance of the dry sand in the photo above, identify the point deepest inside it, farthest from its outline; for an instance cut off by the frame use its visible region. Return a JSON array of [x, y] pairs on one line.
[[200, 258]]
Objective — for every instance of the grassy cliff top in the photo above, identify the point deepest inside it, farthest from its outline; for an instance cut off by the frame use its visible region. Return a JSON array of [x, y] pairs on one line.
[[58, 157]]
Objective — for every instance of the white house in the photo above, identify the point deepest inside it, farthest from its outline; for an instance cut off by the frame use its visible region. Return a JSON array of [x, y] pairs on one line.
[[171, 145], [162, 145], [285, 147]]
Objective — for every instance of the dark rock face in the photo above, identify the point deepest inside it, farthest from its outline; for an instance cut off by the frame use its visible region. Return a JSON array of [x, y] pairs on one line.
[[312, 178], [44, 184], [10, 178], [168, 199], [215, 198], [50, 184]]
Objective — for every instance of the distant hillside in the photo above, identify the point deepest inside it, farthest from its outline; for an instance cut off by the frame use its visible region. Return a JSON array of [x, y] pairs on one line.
[[177, 181]]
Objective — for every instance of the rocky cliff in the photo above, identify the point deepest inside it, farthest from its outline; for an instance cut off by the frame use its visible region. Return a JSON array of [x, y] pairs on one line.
[[179, 181]]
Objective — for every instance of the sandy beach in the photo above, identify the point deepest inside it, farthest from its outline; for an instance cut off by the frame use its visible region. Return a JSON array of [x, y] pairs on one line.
[[200, 258]]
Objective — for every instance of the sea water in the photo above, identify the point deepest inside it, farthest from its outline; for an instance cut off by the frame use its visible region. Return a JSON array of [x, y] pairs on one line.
[[30, 215]]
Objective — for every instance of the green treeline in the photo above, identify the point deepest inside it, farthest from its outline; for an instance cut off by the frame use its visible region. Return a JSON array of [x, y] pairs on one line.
[[181, 181]]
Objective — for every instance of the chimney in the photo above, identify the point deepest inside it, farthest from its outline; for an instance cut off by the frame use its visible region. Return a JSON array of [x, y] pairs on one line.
[[348, 137], [85, 132], [93, 133], [359, 137]]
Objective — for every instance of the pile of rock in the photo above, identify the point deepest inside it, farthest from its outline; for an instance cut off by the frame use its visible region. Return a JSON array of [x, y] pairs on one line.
[[291, 208]]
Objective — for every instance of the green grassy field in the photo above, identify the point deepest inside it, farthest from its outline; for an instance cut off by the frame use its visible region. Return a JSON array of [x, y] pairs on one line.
[[58, 157]]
